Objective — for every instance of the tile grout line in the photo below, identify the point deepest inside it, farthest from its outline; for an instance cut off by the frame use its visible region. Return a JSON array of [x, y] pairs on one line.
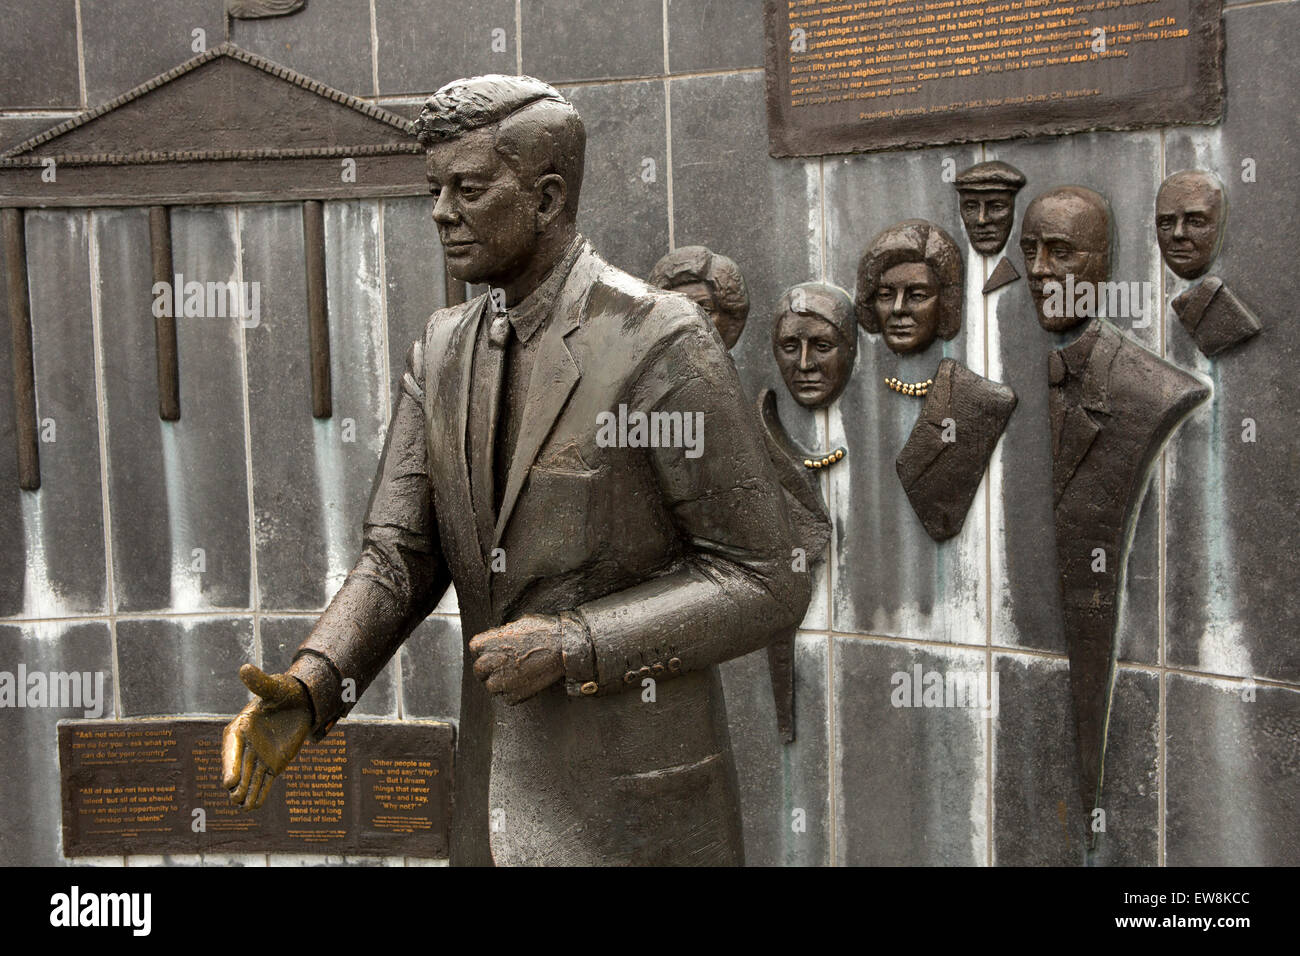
[[1162, 571], [386, 397], [988, 594], [668, 140], [254, 589], [374, 48], [81, 58], [101, 410], [519, 36]]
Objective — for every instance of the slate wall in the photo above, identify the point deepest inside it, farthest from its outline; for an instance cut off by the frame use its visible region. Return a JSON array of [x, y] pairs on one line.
[[97, 571]]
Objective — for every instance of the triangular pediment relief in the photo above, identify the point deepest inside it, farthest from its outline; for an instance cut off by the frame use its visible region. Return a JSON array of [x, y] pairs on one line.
[[227, 125], [225, 99]]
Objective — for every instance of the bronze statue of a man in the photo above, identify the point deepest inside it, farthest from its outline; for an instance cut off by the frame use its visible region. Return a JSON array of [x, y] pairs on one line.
[[1065, 237], [599, 581]]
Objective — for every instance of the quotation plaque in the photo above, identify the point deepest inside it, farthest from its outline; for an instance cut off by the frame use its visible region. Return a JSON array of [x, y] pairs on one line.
[[154, 786], [855, 75]]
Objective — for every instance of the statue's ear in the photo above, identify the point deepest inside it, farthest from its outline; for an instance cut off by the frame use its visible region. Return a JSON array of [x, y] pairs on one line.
[[553, 197]]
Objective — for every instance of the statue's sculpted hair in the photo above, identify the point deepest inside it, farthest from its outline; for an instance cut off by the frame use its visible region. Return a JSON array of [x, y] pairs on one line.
[[537, 130]]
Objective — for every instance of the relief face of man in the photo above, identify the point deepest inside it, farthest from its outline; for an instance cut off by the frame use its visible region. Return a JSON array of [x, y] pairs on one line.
[[1066, 231], [910, 286], [1189, 222], [815, 342], [987, 200]]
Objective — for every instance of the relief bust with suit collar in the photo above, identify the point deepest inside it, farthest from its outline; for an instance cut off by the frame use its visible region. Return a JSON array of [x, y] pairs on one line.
[[582, 568], [910, 284]]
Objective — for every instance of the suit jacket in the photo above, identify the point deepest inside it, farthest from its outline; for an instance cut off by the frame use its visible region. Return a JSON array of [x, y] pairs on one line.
[[663, 564], [1113, 405], [941, 477]]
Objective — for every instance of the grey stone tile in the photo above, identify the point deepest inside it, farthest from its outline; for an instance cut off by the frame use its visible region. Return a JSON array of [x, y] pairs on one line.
[[592, 39], [183, 665], [1233, 775], [431, 666], [414, 270], [889, 576], [280, 639], [178, 490], [130, 41], [328, 40], [423, 45], [624, 203], [910, 782], [1038, 817], [763, 213], [38, 55], [1026, 604], [714, 35], [17, 129], [31, 829], [1232, 600], [784, 788], [58, 529]]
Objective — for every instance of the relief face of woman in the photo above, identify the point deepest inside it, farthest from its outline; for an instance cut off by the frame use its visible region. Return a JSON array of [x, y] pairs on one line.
[[815, 343], [907, 307]]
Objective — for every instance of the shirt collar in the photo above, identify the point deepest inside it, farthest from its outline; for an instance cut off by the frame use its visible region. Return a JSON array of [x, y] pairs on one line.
[[529, 314]]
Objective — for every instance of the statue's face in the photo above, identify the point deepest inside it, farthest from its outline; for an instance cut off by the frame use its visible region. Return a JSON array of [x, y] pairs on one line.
[[486, 217], [907, 306], [1063, 234], [814, 361], [987, 216], [1189, 223]]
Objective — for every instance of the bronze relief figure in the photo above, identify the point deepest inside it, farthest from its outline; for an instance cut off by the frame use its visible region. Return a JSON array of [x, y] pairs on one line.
[[910, 291], [600, 579], [1191, 212], [711, 281], [1112, 405], [815, 342], [986, 195]]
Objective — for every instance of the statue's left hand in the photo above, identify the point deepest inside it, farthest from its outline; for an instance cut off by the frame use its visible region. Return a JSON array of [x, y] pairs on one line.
[[521, 658]]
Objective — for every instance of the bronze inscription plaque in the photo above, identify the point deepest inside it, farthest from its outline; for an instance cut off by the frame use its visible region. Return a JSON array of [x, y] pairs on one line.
[[854, 75], [154, 786]]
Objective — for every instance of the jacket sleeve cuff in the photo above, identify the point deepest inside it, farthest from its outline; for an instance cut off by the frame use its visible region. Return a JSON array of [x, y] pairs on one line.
[[579, 656], [324, 690]]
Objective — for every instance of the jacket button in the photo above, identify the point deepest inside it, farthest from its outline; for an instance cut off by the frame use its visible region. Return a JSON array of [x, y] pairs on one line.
[[675, 664], [590, 687]]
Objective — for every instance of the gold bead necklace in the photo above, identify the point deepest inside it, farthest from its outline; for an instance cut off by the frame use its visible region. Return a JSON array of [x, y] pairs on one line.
[[918, 389], [826, 462]]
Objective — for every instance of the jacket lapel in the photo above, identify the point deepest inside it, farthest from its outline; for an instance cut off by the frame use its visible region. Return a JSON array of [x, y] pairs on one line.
[[554, 376], [1073, 425], [447, 412]]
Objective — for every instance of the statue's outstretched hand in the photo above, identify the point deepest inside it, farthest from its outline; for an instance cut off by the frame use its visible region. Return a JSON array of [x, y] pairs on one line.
[[259, 743], [519, 659]]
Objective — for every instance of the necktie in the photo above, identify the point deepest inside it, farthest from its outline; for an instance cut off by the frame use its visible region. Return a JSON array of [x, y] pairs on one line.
[[482, 466]]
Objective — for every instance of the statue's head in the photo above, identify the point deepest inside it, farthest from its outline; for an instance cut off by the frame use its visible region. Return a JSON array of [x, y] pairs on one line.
[[1190, 213], [910, 286], [712, 281], [815, 342], [504, 162], [1066, 231], [987, 197]]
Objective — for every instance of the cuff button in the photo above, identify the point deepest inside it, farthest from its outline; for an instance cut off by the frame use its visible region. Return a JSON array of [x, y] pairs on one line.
[[590, 687], [675, 664]]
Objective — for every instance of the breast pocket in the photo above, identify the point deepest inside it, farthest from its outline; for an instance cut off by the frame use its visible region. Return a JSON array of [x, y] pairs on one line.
[[563, 515]]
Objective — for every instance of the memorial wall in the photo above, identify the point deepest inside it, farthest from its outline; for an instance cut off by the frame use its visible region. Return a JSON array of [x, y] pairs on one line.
[[151, 554]]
